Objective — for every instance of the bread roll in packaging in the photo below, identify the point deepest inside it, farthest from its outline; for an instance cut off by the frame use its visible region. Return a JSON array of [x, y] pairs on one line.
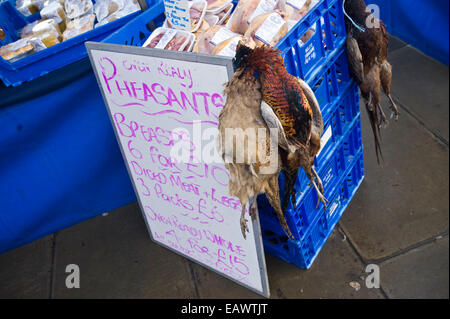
[[54, 10], [44, 40], [29, 7], [16, 50], [77, 8], [78, 26], [129, 7], [104, 8], [39, 27]]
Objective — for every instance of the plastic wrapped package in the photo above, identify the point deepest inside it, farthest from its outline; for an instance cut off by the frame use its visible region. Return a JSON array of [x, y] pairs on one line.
[[246, 11], [16, 50], [78, 8], [225, 13], [214, 6], [104, 8], [55, 11], [130, 6], [189, 44], [208, 40], [47, 2], [267, 29], [204, 26], [170, 39], [228, 47], [295, 10], [79, 26], [44, 40], [29, 7], [39, 27], [211, 19]]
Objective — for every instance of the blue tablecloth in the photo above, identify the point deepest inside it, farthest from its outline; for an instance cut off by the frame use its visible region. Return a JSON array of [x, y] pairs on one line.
[[59, 160]]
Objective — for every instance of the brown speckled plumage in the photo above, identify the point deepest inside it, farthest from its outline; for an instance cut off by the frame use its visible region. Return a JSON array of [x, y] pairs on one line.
[[242, 110], [297, 109], [367, 56]]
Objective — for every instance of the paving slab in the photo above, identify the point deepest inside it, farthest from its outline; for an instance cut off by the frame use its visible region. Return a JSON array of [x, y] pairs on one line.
[[117, 259], [421, 85], [406, 199], [333, 272], [25, 272], [420, 273], [330, 276], [211, 285], [395, 43]]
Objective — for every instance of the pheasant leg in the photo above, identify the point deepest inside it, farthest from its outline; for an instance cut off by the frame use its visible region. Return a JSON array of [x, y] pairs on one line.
[[319, 181], [394, 108], [384, 121], [369, 102], [273, 196], [244, 226], [253, 206], [320, 196]]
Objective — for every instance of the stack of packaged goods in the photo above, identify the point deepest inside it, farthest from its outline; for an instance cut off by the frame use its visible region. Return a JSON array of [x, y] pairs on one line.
[[60, 21], [218, 29]]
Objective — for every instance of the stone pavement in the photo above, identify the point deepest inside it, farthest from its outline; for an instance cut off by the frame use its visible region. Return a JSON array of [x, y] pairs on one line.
[[397, 220]]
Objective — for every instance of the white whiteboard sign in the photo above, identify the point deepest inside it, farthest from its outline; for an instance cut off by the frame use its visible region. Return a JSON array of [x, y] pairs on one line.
[[152, 95]]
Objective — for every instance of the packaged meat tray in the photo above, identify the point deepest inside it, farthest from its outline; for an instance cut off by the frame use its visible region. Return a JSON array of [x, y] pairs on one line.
[[170, 39]]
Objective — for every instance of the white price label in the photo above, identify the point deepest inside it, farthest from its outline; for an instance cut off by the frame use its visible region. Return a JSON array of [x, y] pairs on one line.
[[170, 33], [297, 4], [222, 35], [324, 139], [267, 31], [177, 12], [265, 6]]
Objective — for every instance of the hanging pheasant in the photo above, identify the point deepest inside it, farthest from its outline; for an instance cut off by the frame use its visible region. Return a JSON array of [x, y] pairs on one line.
[[297, 115], [257, 170], [367, 50]]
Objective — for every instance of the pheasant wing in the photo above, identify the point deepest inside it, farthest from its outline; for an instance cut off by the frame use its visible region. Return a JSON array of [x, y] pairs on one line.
[[314, 104], [273, 122], [355, 60]]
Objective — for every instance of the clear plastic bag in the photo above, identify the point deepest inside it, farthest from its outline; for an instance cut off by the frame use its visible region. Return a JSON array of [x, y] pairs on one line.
[[78, 8], [79, 26], [29, 7]]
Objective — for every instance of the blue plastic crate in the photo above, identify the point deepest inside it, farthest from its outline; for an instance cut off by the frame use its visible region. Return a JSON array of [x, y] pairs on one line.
[[331, 81], [301, 59], [55, 57], [303, 252], [10, 20], [29, 18], [337, 163], [135, 32]]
